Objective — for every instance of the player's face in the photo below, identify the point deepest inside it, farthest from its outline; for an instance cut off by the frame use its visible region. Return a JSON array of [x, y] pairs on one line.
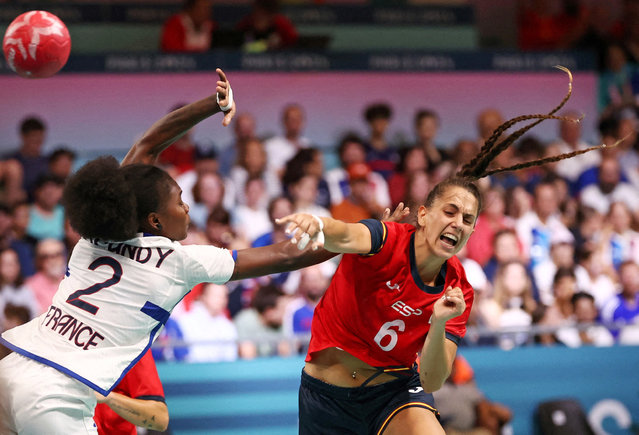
[[174, 216], [449, 221]]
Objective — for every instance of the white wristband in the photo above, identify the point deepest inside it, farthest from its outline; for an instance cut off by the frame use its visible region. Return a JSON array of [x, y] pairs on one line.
[[230, 97]]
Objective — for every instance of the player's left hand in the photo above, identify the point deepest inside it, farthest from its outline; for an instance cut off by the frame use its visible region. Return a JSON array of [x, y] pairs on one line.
[[225, 96], [450, 305]]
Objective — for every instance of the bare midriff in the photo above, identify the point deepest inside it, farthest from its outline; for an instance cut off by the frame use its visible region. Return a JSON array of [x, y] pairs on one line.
[[337, 367]]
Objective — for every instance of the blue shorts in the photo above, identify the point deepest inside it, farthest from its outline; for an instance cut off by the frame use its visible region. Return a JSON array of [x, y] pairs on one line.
[[325, 408]]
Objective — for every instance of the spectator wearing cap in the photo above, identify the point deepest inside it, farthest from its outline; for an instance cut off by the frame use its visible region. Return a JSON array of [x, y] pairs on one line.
[[46, 215], [360, 204], [351, 150]]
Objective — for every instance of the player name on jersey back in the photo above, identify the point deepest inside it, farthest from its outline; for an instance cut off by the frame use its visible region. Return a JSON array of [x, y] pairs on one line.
[[141, 254]]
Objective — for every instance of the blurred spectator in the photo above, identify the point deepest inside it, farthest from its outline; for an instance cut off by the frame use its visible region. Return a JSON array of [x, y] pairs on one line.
[[487, 121], [623, 309], [570, 140], [380, 156], [588, 227], [426, 124], [180, 156], [51, 265], [46, 214], [609, 188], [259, 328], [277, 208], [464, 408], [308, 161], [505, 248], [12, 288], [538, 227], [512, 304], [360, 204], [560, 313], [562, 254], [168, 347], [137, 400], [29, 155], [418, 186], [595, 276], [250, 220], [584, 331], [61, 162], [616, 80], [251, 163], [211, 335], [351, 150], [281, 149], [219, 231], [491, 219], [8, 239], [410, 160], [299, 312], [302, 191], [11, 182], [12, 316], [265, 28], [243, 132], [550, 25], [623, 240], [190, 30], [208, 194]]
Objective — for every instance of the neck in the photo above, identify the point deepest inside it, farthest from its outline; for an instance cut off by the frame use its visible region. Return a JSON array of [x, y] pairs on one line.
[[428, 265]]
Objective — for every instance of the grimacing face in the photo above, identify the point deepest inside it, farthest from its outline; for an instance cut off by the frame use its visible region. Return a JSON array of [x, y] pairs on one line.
[[449, 221]]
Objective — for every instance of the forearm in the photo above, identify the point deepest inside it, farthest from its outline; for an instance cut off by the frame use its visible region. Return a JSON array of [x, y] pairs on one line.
[[276, 258], [346, 238], [168, 129], [149, 414], [435, 362]]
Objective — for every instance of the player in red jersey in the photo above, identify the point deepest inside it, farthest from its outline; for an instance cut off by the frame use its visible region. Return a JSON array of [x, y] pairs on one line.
[[398, 291]]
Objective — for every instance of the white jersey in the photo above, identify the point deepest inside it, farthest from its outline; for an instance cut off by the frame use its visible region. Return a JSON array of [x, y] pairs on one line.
[[114, 300]]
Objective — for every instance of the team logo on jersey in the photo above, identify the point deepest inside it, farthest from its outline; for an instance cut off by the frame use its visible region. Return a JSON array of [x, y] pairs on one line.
[[392, 286], [405, 310]]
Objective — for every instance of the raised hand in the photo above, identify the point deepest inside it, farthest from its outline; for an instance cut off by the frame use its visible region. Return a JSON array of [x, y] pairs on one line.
[[225, 97]]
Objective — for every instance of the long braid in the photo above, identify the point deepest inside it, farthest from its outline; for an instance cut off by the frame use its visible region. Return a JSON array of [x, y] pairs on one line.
[[477, 166], [556, 158]]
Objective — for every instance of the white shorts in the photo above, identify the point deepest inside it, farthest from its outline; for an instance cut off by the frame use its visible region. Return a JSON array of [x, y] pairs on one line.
[[36, 399]]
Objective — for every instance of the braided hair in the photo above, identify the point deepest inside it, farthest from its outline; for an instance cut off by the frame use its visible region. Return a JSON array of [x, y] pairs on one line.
[[478, 167]]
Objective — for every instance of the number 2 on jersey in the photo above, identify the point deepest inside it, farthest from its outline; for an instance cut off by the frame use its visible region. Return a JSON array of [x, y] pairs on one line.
[[74, 298]]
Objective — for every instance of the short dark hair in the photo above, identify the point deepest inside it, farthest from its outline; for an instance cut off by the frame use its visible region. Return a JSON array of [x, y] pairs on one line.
[[266, 297], [563, 272], [219, 215], [20, 312], [32, 123], [60, 152], [377, 111], [425, 113], [581, 295], [48, 178]]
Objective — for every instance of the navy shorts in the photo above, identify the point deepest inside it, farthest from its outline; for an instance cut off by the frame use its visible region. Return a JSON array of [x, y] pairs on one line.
[[327, 409]]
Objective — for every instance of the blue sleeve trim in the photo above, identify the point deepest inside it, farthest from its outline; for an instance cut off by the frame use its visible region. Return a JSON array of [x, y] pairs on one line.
[[454, 338], [156, 312], [378, 234], [234, 255], [154, 398]]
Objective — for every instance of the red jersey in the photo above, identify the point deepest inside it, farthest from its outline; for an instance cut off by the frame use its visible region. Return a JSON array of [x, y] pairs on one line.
[[377, 308], [141, 382]]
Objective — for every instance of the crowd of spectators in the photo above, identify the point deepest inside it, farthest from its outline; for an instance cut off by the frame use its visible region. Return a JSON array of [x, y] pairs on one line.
[[554, 258]]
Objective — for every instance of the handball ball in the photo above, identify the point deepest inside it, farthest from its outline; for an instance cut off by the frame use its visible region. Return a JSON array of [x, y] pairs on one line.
[[36, 44]]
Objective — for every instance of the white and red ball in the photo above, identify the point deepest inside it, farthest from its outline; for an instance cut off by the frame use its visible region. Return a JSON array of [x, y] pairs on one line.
[[36, 44]]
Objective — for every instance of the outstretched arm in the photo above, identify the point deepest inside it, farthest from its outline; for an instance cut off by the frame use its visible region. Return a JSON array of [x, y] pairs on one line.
[[149, 414], [285, 256], [170, 127]]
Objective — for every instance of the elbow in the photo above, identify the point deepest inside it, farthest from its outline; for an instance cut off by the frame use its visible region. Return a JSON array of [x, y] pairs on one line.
[[430, 384], [161, 421]]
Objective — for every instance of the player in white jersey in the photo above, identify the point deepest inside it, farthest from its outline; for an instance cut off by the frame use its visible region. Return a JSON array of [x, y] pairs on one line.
[[124, 278]]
